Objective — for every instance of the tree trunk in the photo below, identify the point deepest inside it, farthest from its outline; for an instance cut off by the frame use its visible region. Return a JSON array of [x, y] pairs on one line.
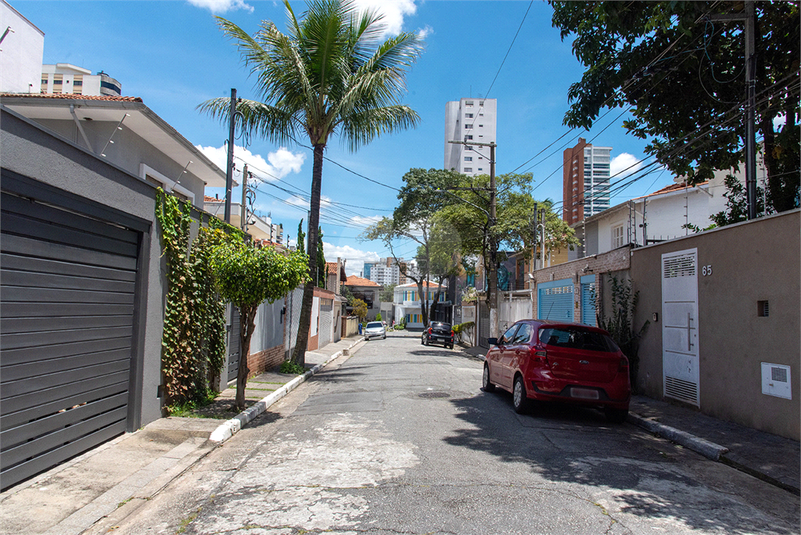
[[247, 315], [299, 356], [421, 290]]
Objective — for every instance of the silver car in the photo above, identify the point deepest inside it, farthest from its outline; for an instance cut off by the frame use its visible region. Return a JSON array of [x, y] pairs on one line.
[[375, 329]]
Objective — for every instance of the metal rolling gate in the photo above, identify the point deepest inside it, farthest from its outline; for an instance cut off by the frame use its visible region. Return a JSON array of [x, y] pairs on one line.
[[69, 284], [555, 300]]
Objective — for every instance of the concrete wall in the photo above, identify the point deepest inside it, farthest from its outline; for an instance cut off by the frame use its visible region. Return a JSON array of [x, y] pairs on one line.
[[267, 343], [293, 303], [128, 151], [22, 53], [514, 306], [749, 262], [350, 326], [65, 166]]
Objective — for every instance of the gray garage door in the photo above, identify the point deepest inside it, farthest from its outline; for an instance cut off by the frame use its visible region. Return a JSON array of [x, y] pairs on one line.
[[68, 287]]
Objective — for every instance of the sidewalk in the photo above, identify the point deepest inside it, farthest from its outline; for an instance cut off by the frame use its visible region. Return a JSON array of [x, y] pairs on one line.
[[771, 458], [96, 490]]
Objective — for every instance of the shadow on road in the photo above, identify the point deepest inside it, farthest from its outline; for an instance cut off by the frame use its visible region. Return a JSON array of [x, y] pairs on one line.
[[564, 443]]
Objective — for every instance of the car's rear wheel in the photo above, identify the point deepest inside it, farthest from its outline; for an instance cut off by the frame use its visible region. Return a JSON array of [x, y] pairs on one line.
[[486, 384], [425, 341], [616, 416], [519, 399]]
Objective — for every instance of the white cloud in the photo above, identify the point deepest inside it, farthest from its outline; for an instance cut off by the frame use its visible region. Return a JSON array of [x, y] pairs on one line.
[[297, 201], [621, 163], [365, 221], [425, 31], [278, 164], [392, 10], [221, 6], [355, 257]]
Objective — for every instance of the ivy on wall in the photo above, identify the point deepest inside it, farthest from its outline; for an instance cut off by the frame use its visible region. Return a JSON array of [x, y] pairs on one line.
[[193, 341]]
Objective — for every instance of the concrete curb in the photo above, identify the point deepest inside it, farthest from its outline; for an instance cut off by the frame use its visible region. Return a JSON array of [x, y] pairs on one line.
[[230, 427], [708, 449]]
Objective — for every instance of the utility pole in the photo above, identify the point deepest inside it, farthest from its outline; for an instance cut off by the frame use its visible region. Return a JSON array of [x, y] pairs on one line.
[[243, 213], [492, 275], [229, 173], [749, 17]]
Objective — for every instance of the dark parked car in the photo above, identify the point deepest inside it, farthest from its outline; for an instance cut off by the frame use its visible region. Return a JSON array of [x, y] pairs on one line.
[[438, 332], [556, 361]]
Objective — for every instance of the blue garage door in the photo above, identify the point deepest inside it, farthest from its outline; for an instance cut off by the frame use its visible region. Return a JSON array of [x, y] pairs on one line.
[[588, 300], [555, 300]]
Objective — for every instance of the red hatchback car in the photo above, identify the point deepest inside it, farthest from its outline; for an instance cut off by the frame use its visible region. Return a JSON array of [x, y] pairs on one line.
[[556, 361]]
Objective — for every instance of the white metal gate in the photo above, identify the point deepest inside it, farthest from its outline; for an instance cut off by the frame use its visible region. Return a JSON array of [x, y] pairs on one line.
[[680, 360]]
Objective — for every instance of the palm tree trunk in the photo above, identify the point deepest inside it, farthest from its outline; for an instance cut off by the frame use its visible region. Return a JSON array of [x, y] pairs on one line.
[[299, 356]]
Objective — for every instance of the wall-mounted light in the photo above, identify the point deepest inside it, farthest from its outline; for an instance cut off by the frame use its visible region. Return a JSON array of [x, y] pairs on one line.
[[119, 127]]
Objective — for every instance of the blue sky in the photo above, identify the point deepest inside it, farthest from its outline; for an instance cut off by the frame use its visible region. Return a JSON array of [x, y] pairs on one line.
[[173, 56]]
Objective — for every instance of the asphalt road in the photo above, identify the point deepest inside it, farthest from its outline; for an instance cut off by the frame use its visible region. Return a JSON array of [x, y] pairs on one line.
[[399, 439]]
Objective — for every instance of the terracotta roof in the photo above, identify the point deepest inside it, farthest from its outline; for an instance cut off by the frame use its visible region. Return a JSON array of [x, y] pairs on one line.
[[674, 187], [353, 280], [206, 198], [68, 96], [427, 284], [331, 268]]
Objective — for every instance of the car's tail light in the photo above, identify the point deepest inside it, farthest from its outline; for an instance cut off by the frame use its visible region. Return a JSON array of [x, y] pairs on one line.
[[452, 334], [540, 355], [623, 366], [430, 330]]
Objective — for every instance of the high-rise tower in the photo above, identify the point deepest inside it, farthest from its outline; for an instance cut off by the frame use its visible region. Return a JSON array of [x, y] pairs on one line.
[[585, 181], [469, 119]]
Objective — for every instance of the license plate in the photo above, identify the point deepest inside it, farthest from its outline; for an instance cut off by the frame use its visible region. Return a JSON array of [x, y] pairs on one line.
[[583, 393]]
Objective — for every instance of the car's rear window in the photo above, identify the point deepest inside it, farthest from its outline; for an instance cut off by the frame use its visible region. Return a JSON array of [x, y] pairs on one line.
[[374, 324], [577, 338], [438, 325]]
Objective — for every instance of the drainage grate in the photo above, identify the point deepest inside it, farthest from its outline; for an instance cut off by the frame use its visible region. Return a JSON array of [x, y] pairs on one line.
[[433, 395]]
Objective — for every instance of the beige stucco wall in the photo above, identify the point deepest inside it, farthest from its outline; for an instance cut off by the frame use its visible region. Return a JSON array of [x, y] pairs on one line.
[[750, 262]]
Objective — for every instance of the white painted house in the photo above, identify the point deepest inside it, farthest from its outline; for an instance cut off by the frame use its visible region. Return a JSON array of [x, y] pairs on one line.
[[663, 215], [407, 301]]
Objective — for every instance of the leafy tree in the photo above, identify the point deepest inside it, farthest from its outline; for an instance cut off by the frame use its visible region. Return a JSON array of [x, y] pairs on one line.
[[347, 293], [387, 293], [329, 74], [736, 204], [301, 246], [514, 226], [651, 55], [247, 276], [421, 197], [442, 259], [359, 308]]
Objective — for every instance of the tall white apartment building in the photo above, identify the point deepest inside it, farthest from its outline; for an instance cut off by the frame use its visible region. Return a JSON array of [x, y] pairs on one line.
[[470, 119], [585, 175], [386, 271], [65, 78]]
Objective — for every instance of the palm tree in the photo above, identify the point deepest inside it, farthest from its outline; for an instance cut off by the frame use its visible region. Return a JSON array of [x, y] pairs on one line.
[[329, 74]]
